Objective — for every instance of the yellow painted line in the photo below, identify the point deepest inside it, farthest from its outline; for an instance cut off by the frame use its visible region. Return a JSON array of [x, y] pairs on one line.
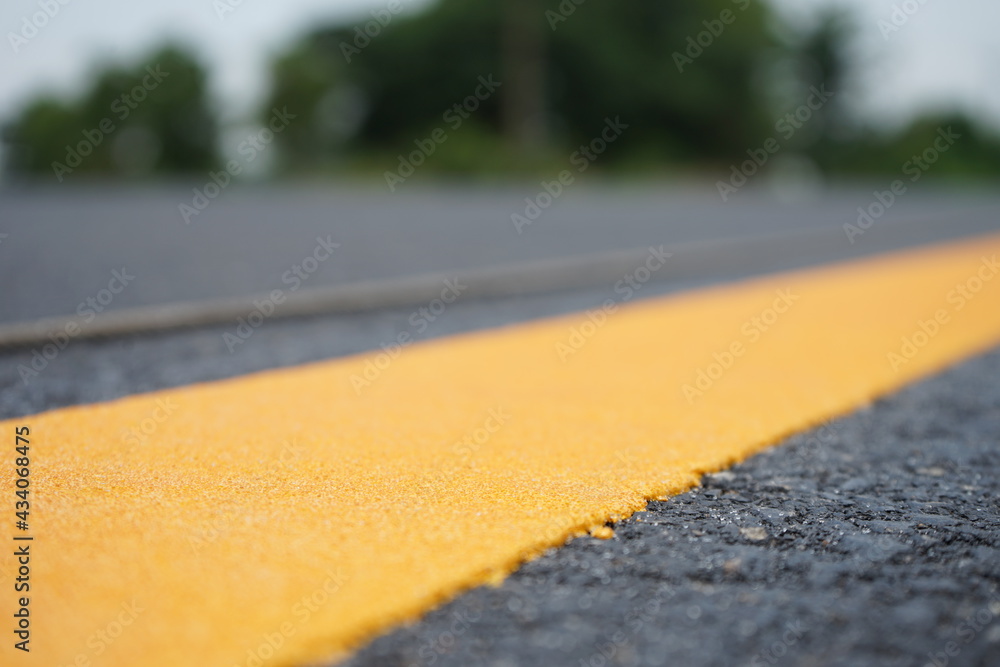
[[291, 515]]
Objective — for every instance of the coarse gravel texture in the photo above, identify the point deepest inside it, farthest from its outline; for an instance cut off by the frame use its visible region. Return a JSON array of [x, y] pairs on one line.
[[871, 540], [102, 369]]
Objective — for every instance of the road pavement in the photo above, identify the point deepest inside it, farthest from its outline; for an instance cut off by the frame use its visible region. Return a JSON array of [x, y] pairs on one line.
[[63, 245], [873, 540]]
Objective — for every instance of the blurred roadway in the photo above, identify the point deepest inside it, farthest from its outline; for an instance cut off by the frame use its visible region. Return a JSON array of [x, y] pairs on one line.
[[881, 527], [63, 243]]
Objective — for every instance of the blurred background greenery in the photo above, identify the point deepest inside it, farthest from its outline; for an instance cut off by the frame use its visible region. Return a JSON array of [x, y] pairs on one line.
[[697, 90]]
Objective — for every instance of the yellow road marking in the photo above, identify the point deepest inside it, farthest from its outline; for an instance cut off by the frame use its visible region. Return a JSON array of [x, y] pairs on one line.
[[283, 517]]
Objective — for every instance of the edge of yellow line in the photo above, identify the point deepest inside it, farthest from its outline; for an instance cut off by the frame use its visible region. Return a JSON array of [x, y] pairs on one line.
[[682, 479]]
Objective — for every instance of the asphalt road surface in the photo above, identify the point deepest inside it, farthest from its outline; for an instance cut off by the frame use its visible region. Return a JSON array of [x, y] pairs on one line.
[[63, 244], [874, 540]]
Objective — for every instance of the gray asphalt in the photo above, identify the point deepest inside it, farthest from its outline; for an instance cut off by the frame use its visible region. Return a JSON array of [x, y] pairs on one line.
[[92, 370], [63, 243], [872, 541]]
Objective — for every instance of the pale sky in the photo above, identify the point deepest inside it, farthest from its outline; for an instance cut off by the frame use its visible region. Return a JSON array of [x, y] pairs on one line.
[[946, 54]]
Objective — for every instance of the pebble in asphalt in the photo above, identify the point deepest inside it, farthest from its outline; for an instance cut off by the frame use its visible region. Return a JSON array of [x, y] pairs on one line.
[[871, 540]]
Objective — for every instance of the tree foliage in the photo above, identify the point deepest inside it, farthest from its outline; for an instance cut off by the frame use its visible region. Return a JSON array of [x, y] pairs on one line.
[[601, 60], [695, 81], [153, 117]]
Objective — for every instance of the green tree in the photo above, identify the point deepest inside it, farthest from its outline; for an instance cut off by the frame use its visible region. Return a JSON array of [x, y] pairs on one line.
[[948, 146], [153, 117], [822, 61], [40, 135], [309, 83], [636, 60]]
